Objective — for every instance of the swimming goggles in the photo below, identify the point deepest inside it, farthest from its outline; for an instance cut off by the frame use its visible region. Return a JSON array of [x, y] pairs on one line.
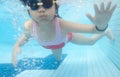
[[35, 4]]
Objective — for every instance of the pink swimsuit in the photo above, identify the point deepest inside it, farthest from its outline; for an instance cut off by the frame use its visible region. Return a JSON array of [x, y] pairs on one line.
[[59, 40]]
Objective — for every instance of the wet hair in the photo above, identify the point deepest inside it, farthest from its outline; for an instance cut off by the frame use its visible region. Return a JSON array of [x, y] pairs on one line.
[[24, 2]]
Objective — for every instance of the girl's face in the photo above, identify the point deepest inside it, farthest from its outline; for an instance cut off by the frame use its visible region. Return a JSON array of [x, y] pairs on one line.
[[44, 12]]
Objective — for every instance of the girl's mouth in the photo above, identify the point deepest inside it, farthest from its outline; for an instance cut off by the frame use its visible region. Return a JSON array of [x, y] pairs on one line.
[[43, 16]]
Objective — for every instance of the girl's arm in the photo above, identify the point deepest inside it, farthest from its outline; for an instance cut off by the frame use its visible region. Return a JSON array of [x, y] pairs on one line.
[[25, 36], [100, 20], [21, 41], [76, 27]]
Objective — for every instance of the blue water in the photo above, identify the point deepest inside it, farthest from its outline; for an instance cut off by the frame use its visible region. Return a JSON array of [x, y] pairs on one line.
[[99, 60]]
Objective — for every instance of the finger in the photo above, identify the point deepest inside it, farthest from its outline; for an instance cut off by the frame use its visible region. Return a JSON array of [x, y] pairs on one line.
[[113, 8], [96, 9], [90, 17], [108, 5], [15, 63], [102, 7]]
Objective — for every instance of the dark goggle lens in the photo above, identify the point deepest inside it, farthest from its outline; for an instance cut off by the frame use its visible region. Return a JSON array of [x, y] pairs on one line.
[[47, 3], [33, 4]]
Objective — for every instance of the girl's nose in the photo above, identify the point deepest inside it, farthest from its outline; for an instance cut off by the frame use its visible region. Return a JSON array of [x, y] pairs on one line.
[[41, 9]]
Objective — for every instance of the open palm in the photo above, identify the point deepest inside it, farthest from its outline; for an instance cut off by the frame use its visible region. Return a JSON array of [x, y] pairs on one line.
[[102, 15]]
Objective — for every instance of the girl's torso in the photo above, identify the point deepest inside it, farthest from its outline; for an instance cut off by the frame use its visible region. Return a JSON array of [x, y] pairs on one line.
[[46, 38]]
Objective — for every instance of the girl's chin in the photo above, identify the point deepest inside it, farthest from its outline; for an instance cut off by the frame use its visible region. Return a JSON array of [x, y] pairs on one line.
[[45, 18]]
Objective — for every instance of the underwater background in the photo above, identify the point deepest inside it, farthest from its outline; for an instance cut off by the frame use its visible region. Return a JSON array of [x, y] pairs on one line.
[[99, 60]]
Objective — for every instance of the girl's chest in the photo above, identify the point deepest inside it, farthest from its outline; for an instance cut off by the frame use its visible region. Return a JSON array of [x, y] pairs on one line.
[[46, 35]]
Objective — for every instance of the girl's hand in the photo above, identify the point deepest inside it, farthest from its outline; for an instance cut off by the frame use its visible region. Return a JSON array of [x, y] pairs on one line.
[[16, 51], [102, 15]]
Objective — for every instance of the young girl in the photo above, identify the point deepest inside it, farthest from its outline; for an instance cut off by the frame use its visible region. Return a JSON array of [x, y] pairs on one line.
[[53, 32]]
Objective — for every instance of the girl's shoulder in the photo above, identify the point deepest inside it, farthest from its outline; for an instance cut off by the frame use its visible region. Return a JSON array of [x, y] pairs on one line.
[[28, 24], [63, 22]]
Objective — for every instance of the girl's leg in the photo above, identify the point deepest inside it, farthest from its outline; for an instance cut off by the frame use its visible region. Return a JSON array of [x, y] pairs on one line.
[[83, 40], [57, 54]]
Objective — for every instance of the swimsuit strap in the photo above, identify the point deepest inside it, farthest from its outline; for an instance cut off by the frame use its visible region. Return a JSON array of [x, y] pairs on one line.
[[35, 25], [58, 29]]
